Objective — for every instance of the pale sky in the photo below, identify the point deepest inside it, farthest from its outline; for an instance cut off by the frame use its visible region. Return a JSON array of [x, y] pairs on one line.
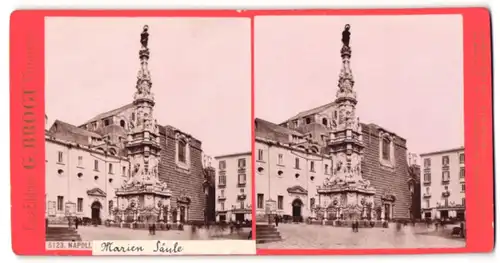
[[200, 67], [408, 72]]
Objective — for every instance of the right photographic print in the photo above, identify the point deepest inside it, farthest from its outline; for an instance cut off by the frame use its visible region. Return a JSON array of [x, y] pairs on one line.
[[359, 132]]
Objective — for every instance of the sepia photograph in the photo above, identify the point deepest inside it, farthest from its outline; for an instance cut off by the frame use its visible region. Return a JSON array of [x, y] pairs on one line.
[[137, 109], [359, 132]]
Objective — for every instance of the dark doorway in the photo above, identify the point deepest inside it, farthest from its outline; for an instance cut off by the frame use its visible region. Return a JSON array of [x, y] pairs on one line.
[[222, 218], [444, 214], [174, 216], [428, 215], [183, 214], [96, 212], [461, 215], [297, 210], [387, 211], [240, 217]]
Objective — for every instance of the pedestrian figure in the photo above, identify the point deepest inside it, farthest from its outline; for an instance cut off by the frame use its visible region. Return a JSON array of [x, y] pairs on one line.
[[154, 229], [193, 231], [356, 226], [276, 220], [250, 235], [76, 223], [353, 226]]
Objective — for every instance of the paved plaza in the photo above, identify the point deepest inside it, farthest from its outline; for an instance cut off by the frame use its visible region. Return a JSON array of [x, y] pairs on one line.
[[296, 236], [88, 233]]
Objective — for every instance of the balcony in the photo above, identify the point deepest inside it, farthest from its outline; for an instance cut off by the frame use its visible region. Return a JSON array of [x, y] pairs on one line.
[[445, 180], [427, 195], [221, 197], [222, 184], [427, 182], [242, 183], [242, 169], [242, 196], [446, 194]]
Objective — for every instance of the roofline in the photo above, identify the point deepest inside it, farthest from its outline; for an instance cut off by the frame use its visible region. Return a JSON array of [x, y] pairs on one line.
[[443, 151], [233, 155]]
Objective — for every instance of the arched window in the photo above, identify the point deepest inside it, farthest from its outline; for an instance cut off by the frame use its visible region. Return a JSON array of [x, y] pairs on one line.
[[325, 122], [122, 123]]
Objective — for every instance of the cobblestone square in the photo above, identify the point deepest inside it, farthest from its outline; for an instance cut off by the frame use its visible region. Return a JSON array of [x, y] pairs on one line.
[[89, 233], [302, 236]]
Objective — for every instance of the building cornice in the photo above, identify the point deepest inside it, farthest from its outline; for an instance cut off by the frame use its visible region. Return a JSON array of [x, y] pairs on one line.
[[458, 149], [277, 144], [233, 155], [82, 147]]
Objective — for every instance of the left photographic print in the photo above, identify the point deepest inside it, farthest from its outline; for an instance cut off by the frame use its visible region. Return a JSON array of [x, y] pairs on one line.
[[135, 110]]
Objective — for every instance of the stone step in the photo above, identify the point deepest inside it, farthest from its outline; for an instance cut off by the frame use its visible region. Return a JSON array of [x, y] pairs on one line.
[[268, 240], [269, 236]]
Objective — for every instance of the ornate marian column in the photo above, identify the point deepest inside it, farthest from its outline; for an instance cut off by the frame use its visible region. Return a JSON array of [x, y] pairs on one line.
[[346, 187], [143, 146]]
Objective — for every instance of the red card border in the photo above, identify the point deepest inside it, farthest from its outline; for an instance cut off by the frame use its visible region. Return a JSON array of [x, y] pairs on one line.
[[27, 87]]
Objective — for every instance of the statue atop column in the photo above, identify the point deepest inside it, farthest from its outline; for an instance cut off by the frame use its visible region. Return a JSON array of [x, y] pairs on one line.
[[145, 37], [346, 35]]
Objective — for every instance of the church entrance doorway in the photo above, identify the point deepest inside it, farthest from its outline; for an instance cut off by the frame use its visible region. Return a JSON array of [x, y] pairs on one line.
[[387, 211], [96, 212], [183, 214], [297, 210]]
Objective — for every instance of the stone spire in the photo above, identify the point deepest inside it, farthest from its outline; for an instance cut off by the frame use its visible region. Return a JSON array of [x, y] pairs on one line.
[[346, 141], [143, 144]]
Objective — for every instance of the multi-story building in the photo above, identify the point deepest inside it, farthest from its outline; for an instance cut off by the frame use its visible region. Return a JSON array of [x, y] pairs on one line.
[[234, 187], [80, 175], [443, 184]]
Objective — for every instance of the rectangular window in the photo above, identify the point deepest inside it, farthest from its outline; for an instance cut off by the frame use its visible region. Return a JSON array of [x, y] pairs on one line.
[[80, 161], [181, 155], [297, 163], [124, 170], [79, 204], [446, 176], [96, 165], [242, 179], [427, 177], [427, 162], [222, 165], [446, 160], [60, 203], [280, 159], [242, 163], [260, 201], [326, 168], [463, 201], [463, 187], [260, 155], [222, 206], [221, 193], [427, 203], [462, 158], [280, 202], [462, 172], [242, 205], [110, 169], [222, 180], [312, 166], [386, 149], [60, 157]]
